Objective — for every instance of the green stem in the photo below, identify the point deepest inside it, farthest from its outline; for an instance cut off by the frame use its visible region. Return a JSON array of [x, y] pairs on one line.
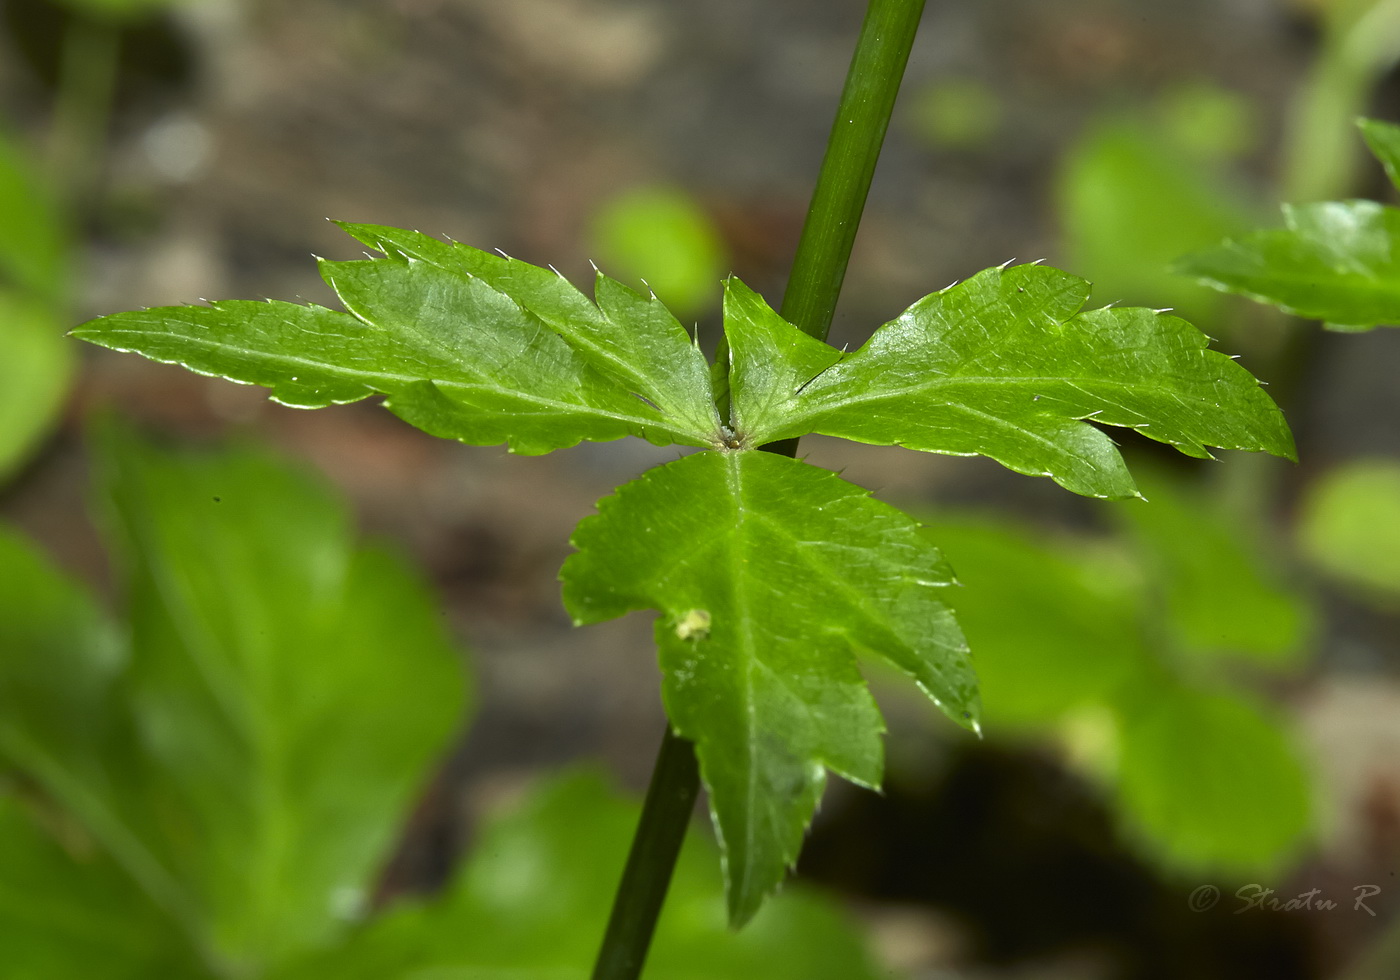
[[675, 783], [886, 38], [882, 51]]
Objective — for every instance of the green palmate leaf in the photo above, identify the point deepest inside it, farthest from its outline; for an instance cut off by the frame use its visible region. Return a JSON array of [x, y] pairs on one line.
[[1055, 624], [1335, 261], [247, 758], [71, 912], [1081, 640], [465, 344], [662, 236], [533, 897], [1350, 526], [769, 576], [35, 359], [288, 741], [33, 233], [36, 362], [60, 665], [957, 113], [1131, 200], [1222, 593], [1004, 365], [1210, 778], [631, 338]]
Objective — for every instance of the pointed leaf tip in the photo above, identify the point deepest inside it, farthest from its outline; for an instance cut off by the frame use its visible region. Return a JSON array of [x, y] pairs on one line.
[[770, 576], [1008, 365], [472, 346]]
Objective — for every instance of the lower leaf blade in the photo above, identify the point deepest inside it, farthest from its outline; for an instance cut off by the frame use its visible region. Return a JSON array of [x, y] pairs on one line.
[[770, 575]]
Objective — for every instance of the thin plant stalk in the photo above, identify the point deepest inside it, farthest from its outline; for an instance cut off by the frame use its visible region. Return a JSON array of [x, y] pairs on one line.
[[823, 251], [675, 783], [852, 150]]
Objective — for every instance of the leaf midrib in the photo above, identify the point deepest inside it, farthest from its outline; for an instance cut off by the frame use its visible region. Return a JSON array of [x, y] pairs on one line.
[[575, 338], [738, 576], [363, 378]]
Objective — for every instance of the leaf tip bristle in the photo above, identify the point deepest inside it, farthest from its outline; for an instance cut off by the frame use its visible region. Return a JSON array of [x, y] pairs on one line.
[[595, 267], [1164, 310], [501, 253], [555, 271], [1006, 265]]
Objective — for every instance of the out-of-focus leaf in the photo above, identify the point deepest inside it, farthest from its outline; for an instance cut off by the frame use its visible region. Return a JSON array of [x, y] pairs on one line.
[[290, 691], [35, 358], [249, 760], [958, 113], [70, 912], [1335, 261], [1210, 123], [660, 235], [1384, 140], [1350, 525], [1130, 204], [1222, 596], [1052, 625], [770, 575], [33, 233], [60, 663], [467, 345], [36, 363], [533, 899], [1211, 780], [1067, 636], [1003, 365]]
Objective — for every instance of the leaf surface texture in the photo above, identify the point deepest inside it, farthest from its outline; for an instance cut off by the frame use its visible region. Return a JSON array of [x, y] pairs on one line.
[[1006, 365], [769, 576], [466, 345]]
